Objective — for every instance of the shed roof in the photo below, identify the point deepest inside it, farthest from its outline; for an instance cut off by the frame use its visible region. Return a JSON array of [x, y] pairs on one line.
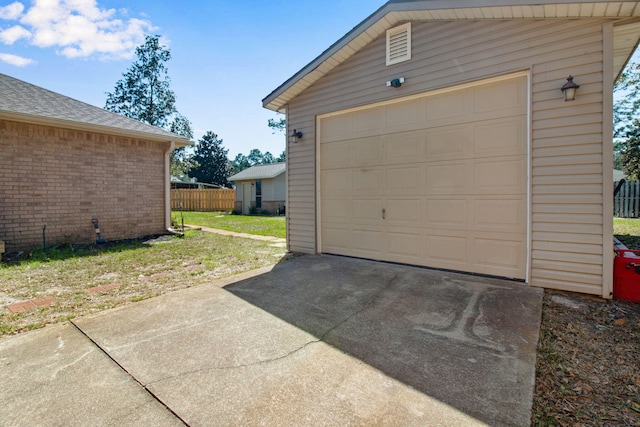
[[396, 11], [260, 172], [22, 101]]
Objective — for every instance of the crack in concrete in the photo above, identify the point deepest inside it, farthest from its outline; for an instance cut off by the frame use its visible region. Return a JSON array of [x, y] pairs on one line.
[[239, 366], [321, 339], [151, 393]]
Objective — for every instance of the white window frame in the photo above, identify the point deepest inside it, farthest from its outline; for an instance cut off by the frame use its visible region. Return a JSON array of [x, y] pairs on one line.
[[392, 32]]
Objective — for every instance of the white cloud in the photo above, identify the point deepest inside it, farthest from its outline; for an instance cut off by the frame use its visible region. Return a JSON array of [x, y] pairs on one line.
[[16, 60], [12, 11], [77, 28], [13, 34]]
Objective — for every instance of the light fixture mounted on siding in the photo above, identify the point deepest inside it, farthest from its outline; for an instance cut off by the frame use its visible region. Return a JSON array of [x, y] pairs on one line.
[[569, 89], [296, 135], [395, 82]]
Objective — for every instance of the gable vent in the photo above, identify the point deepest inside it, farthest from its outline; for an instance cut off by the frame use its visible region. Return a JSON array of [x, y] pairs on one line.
[[399, 44]]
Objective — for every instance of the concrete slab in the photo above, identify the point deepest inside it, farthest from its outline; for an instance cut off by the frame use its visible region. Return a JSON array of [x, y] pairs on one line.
[[334, 341], [57, 377], [469, 342]]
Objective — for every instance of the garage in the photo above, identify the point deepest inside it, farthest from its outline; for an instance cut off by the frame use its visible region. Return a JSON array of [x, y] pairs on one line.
[[438, 179]]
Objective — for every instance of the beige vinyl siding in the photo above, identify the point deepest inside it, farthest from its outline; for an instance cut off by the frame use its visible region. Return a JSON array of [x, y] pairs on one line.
[[279, 185], [566, 147]]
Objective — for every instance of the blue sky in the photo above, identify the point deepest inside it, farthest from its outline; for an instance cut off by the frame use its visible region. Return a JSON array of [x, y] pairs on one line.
[[226, 54]]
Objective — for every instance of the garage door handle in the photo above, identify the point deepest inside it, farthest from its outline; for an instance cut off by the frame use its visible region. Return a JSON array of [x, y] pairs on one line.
[[384, 211]]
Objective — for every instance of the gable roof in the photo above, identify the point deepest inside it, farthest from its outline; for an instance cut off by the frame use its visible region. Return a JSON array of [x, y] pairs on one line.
[[397, 11], [22, 101], [271, 170]]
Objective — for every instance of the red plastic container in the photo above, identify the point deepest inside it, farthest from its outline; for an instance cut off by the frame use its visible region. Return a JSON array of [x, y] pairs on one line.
[[626, 275]]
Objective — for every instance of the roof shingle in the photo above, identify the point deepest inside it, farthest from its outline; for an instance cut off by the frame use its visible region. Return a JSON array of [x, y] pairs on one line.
[[259, 172], [24, 99]]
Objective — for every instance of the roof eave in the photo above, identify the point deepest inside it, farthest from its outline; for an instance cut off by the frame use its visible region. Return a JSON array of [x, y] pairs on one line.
[[178, 140], [395, 11], [253, 178]]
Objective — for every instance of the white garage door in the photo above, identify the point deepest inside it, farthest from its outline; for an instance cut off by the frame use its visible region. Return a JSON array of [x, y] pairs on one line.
[[438, 180]]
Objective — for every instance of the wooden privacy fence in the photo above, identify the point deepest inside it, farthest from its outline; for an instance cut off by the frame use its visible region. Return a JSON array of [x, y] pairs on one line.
[[203, 200], [626, 202]]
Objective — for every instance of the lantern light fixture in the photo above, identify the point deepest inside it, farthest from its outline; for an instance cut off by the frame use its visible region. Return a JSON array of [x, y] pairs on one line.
[[569, 89], [296, 135]]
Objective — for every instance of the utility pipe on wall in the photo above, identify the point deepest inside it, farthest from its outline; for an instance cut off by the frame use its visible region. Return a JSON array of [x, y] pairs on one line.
[[167, 185]]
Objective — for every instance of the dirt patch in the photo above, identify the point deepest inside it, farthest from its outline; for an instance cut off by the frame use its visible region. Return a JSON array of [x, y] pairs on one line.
[[588, 362]]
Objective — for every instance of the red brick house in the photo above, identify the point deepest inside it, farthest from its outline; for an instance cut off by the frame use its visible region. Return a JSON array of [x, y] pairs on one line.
[[65, 163]]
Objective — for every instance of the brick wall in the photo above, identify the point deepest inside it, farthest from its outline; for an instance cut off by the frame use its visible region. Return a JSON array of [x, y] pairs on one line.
[[64, 178]]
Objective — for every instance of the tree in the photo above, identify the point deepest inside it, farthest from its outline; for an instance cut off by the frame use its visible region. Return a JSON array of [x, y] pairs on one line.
[[267, 158], [279, 126], [240, 163], [144, 94], [181, 159], [211, 156], [255, 157], [626, 112], [630, 158]]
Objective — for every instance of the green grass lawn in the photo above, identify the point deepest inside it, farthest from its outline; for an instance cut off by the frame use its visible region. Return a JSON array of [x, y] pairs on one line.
[[627, 230], [260, 225], [135, 271]]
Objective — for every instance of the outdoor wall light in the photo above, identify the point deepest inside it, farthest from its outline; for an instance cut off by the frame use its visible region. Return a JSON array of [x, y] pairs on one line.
[[395, 82], [569, 89], [296, 135]]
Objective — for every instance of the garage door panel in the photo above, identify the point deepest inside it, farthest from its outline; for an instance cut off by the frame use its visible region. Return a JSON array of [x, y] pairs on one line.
[[336, 240], [403, 180], [366, 152], [402, 212], [368, 242], [448, 108], [446, 143], [337, 210], [336, 155], [446, 251], [446, 179], [500, 99], [403, 148], [500, 214], [499, 256], [442, 180], [367, 122], [501, 137], [403, 247], [501, 176], [366, 211], [405, 115], [451, 213], [337, 183], [336, 128], [368, 181]]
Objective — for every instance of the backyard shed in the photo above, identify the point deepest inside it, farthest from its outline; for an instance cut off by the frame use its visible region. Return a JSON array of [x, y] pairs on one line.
[[436, 133], [65, 163], [261, 187]]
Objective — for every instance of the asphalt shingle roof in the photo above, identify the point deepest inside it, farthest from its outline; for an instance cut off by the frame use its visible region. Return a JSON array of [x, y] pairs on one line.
[[21, 98], [259, 172]]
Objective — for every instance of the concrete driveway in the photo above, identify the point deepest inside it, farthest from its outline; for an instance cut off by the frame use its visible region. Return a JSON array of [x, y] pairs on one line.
[[313, 341]]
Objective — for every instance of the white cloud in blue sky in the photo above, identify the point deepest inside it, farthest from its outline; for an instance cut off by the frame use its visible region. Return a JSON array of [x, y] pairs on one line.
[[226, 54], [16, 60], [74, 28], [12, 11]]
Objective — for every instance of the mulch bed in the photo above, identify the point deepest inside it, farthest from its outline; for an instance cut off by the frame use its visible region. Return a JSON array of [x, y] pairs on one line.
[[588, 363]]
